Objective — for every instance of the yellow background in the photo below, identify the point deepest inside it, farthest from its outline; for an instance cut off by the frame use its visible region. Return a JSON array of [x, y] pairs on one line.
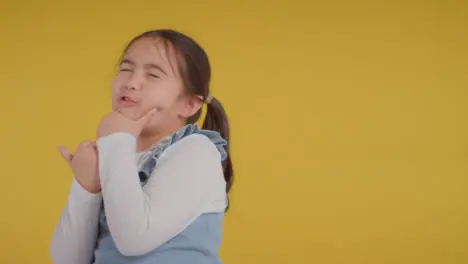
[[349, 121]]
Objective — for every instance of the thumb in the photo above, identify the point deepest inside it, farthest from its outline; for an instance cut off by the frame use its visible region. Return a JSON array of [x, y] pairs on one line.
[[146, 118], [66, 155]]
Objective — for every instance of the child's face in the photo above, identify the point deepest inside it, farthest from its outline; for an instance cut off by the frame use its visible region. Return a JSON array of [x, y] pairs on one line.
[[148, 78]]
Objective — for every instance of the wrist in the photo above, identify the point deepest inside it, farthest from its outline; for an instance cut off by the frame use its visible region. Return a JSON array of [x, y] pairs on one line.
[[88, 187], [81, 194]]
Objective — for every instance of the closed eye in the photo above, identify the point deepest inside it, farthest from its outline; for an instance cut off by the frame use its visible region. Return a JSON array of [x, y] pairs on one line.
[[153, 75]]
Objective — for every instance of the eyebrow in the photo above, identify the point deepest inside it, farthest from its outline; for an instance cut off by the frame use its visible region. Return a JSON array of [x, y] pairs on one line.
[[149, 65]]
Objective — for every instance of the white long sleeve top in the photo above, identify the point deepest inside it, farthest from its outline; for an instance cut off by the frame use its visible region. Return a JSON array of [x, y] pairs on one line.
[[187, 182]]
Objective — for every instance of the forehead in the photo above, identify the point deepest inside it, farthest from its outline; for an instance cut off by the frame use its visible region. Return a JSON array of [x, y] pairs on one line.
[[151, 50]]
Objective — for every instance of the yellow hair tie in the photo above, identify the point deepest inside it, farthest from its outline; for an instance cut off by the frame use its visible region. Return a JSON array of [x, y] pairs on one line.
[[208, 99]]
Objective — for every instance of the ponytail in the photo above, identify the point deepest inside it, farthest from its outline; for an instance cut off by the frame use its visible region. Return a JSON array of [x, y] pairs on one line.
[[216, 120]]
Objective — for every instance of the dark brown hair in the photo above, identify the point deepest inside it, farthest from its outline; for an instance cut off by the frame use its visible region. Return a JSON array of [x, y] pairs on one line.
[[195, 70]]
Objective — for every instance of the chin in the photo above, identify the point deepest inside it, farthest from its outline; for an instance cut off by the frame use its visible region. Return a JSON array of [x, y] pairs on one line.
[[131, 113]]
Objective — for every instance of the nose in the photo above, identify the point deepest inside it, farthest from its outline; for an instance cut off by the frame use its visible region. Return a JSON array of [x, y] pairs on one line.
[[135, 82]]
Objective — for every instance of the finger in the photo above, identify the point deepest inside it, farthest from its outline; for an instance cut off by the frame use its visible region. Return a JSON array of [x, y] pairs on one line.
[[91, 144], [84, 144], [66, 155], [146, 118]]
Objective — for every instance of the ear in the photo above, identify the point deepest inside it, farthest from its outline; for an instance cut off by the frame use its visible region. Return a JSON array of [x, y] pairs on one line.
[[191, 105]]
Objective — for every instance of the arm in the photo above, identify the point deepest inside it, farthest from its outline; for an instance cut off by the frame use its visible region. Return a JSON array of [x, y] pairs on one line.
[[74, 236], [179, 189]]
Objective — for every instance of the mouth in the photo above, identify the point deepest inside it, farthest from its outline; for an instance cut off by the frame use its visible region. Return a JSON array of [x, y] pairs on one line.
[[126, 100]]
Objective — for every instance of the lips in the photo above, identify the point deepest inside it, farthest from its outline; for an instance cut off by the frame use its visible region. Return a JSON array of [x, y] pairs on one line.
[[127, 100]]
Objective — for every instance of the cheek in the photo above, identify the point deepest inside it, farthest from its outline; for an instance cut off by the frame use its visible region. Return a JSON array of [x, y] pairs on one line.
[[161, 98], [115, 88]]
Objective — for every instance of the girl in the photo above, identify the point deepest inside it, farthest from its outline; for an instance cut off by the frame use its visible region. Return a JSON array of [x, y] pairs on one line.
[[145, 202]]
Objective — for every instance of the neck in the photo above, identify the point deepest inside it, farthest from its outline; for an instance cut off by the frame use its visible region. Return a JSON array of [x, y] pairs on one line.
[[148, 138]]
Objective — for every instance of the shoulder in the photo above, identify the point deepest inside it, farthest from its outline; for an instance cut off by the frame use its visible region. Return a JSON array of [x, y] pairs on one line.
[[193, 164], [196, 146]]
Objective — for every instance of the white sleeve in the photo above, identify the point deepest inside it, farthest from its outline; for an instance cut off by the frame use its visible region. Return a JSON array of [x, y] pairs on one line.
[[75, 234], [180, 188]]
